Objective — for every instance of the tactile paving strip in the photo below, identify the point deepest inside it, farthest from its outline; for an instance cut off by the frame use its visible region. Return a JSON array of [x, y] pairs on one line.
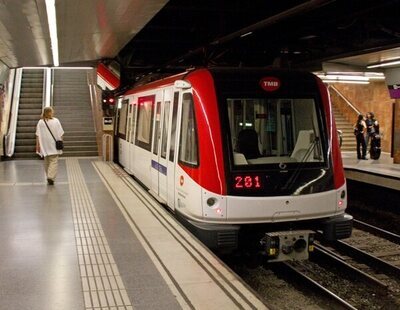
[[101, 282]]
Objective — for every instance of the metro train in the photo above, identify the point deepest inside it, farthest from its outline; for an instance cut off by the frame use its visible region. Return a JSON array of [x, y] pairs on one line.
[[242, 157]]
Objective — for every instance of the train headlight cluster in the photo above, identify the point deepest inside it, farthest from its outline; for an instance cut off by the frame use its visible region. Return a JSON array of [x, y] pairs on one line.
[[211, 201], [341, 199], [288, 245]]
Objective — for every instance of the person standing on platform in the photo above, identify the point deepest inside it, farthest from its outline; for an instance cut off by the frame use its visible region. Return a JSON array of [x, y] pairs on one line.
[[373, 136], [370, 122], [48, 130], [360, 129]]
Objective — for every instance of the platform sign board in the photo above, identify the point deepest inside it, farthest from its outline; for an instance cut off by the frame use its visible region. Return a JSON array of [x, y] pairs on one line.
[[108, 123], [392, 77], [394, 91]]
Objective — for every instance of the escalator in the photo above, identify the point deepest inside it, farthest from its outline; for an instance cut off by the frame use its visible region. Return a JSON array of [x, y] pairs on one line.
[[29, 111]]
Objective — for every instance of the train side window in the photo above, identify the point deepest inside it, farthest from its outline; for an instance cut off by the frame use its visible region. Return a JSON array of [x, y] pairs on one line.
[[133, 121], [157, 128], [188, 138], [165, 129], [123, 114], [173, 127], [144, 122]]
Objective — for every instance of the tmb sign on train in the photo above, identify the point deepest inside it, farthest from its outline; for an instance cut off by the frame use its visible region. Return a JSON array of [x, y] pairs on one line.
[[270, 83]]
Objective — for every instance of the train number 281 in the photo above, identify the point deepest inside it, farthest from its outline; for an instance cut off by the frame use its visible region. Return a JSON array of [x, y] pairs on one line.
[[247, 182]]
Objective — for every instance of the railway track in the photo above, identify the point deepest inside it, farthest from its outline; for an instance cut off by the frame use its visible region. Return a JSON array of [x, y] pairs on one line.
[[361, 272]]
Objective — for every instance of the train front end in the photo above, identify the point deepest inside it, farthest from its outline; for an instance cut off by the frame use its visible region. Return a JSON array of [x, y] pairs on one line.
[[282, 168]]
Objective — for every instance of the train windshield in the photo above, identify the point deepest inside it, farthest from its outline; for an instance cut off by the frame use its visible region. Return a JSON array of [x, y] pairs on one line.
[[274, 131]]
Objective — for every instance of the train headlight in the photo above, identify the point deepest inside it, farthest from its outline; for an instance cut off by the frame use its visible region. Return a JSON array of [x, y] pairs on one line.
[[300, 245], [310, 242], [211, 201], [343, 194], [271, 245]]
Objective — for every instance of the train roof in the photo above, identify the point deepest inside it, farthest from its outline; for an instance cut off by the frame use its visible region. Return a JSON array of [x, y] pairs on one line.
[[221, 73]]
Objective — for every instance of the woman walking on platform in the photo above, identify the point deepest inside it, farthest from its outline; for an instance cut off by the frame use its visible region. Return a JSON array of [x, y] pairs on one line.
[[359, 131], [48, 130]]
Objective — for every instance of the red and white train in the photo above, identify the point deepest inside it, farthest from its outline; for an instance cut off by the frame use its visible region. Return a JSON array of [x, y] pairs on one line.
[[240, 156]]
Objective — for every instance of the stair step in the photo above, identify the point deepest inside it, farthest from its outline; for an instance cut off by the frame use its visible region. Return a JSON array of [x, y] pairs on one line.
[[28, 155], [79, 143], [72, 148], [30, 135], [30, 105], [90, 139], [25, 117], [25, 148], [26, 129], [37, 112], [31, 95], [25, 142], [28, 123]]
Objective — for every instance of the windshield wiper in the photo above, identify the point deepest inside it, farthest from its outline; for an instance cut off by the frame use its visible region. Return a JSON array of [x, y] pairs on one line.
[[289, 183]]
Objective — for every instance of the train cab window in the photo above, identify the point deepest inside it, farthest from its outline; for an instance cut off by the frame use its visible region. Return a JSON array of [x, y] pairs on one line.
[[188, 138], [270, 131], [144, 122], [173, 127], [123, 114]]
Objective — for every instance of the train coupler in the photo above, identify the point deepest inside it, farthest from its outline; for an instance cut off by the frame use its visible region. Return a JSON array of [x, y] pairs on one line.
[[288, 245]]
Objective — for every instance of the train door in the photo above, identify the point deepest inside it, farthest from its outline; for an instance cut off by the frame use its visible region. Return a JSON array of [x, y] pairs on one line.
[[123, 151], [160, 152], [155, 166], [132, 131], [163, 146], [172, 146]]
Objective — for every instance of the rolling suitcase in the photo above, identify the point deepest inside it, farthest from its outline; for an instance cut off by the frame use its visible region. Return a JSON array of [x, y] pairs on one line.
[[375, 150]]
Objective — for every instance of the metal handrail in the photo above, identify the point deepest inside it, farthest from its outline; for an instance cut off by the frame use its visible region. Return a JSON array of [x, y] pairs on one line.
[[12, 129], [345, 99], [47, 87], [93, 97]]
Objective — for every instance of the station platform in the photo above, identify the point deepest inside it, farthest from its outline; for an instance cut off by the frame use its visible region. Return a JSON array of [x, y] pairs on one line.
[[96, 240], [382, 172]]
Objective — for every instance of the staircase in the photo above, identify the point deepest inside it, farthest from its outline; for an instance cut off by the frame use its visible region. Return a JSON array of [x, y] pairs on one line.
[[349, 140], [30, 109], [71, 102]]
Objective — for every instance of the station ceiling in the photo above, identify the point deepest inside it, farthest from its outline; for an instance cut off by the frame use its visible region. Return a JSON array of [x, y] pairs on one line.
[[159, 35]]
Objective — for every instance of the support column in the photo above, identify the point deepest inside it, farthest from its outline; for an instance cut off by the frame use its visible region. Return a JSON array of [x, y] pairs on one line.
[[396, 132]]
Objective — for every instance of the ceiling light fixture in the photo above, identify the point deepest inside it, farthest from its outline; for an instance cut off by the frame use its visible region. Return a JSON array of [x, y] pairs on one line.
[[51, 19], [338, 77], [347, 79], [246, 34], [384, 64]]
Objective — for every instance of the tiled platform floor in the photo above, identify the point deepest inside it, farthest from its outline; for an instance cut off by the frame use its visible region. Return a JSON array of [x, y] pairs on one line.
[[381, 172], [88, 243]]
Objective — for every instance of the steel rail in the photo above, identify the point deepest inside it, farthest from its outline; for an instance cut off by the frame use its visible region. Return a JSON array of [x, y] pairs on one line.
[[316, 286], [379, 232], [366, 258], [324, 254]]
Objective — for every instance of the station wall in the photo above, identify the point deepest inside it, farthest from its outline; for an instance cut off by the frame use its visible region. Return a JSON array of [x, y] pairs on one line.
[[373, 97]]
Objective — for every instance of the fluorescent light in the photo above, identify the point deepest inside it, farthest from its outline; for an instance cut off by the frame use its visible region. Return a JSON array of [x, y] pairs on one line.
[[51, 18], [74, 68], [385, 64], [337, 77], [345, 81], [246, 34]]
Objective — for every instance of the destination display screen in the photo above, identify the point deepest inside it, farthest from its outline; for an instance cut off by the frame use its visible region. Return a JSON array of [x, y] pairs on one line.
[[249, 182]]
